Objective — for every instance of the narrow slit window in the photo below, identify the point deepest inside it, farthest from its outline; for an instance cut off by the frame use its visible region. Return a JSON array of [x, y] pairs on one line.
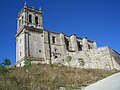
[[22, 19], [20, 64], [53, 39], [36, 19], [30, 18], [20, 23], [20, 41], [20, 54]]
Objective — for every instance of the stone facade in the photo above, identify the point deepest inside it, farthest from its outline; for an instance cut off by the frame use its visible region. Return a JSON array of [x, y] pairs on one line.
[[35, 43], [101, 58]]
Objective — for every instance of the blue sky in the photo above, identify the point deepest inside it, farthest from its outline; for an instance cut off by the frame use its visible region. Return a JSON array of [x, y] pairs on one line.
[[98, 20]]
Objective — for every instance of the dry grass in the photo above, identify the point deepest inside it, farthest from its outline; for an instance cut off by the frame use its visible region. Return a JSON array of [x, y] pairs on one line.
[[47, 77]]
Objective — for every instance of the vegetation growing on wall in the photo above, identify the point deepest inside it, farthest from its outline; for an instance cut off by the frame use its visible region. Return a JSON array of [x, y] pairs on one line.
[[27, 63], [69, 58], [81, 62]]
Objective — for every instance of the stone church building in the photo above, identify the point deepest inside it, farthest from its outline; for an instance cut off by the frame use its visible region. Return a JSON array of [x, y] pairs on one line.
[[35, 43]]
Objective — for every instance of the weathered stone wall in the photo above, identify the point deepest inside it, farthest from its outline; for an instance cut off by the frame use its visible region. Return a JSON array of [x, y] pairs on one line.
[[46, 46], [63, 44], [73, 41], [96, 58], [55, 45], [36, 43], [115, 58], [20, 46]]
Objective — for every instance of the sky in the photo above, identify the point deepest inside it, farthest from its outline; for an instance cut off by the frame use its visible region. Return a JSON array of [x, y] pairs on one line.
[[98, 20]]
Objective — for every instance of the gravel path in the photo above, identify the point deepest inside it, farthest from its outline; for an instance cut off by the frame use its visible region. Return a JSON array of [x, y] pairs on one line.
[[110, 83]]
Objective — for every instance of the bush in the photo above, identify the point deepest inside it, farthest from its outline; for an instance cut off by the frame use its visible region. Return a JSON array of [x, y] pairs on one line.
[[3, 69], [4, 66], [6, 62], [27, 63]]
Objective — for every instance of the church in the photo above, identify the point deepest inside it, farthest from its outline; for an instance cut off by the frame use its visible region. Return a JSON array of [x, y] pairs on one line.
[[39, 45]]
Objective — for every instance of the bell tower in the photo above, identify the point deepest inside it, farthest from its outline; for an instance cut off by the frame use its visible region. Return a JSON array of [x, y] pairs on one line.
[[29, 34], [30, 17]]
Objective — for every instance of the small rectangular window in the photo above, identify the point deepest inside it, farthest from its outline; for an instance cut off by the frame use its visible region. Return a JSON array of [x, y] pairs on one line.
[[20, 53], [19, 22], [55, 56], [22, 19], [20, 41], [30, 18], [53, 39], [39, 50], [36, 19]]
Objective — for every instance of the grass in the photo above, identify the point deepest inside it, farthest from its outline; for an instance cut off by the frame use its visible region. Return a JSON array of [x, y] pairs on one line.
[[50, 77]]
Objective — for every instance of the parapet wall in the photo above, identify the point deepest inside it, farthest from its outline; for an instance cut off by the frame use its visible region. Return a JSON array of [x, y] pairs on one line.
[[100, 58]]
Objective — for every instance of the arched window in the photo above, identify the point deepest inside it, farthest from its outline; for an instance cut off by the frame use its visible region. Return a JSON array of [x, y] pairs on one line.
[[36, 19], [30, 18]]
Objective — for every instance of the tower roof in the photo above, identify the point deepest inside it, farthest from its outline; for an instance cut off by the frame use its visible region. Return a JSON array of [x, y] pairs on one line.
[[25, 4]]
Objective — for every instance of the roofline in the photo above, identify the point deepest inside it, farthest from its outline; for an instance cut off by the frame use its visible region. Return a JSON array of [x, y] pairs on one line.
[[68, 35]]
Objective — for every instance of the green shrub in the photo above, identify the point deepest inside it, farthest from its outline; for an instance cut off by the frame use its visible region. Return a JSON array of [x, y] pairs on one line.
[[27, 63], [6, 62], [3, 69]]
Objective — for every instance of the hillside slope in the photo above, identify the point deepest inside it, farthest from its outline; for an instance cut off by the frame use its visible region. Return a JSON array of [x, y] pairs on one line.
[[50, 77]]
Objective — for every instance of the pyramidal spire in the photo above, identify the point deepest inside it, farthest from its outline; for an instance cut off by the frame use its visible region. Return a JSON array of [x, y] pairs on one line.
[[40, 9], [25, 4]]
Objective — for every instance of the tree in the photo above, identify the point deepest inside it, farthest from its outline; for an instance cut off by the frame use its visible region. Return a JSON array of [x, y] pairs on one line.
[[4, 66], [3, 69], [6, 62]]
